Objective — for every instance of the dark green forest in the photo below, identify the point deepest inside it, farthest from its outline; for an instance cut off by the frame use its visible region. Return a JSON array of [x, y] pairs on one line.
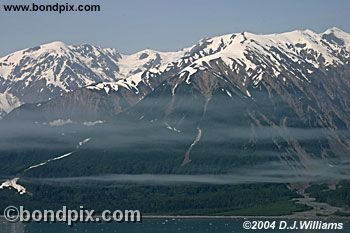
[[159, 199]]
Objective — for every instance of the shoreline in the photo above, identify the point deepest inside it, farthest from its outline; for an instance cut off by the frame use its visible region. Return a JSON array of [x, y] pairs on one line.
[[237, 217], [293, 216], [207, 217], [229, 217]]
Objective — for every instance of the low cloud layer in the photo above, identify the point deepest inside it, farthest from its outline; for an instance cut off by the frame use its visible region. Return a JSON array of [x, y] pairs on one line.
[[268, 173]]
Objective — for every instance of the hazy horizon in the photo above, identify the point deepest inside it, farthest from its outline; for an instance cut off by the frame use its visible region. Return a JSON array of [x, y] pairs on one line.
[[134, 25], [155, 49]]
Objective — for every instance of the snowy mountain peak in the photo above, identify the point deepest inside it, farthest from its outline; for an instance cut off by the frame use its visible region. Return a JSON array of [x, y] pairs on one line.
[[47, 71], [296, 54], [337, 36], [55, 45], [334, 30]]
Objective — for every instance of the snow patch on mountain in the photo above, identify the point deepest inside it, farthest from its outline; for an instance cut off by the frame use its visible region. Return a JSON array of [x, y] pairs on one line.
[[279, 51], [81, 143], [188, 152], [12, 184], [47, 71], [130, 83], [146, 60], [339, 34], [50, 70]]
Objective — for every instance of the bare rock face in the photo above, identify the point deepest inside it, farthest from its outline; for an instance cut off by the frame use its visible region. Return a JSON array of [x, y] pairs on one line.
[[7, 103]]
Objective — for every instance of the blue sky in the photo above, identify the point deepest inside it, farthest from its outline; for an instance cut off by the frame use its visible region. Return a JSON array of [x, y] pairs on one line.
[[132, 25]]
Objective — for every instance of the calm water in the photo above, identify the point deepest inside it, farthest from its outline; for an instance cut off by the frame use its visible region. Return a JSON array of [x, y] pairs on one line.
[[148, 226]]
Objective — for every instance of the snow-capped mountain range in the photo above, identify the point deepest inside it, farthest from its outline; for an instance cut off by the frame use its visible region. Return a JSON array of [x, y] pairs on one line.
[[48, 71], [224, 102]]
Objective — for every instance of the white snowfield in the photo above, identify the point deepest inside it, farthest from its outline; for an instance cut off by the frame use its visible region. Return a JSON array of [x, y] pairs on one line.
[[68, 67]]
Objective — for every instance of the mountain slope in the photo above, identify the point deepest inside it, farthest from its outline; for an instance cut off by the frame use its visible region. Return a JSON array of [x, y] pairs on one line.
[[278, 101], [147, 69], [45, 72], [7, 103], [284, 59]]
